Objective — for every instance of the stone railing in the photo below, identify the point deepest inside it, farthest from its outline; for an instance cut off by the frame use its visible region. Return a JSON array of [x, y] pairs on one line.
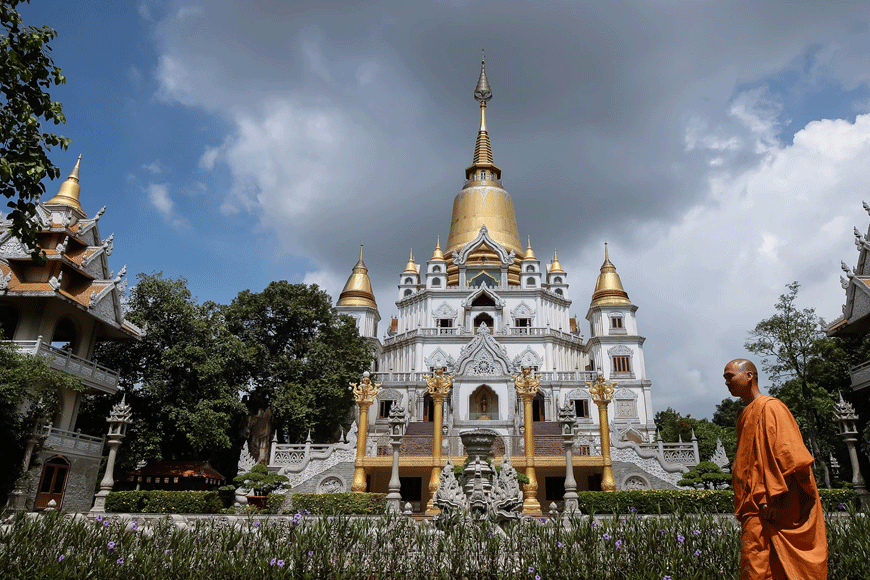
[[860, 376], [73, 442], [513, 445], [676, 453], [579, 377], [503, 332], [91, 374]]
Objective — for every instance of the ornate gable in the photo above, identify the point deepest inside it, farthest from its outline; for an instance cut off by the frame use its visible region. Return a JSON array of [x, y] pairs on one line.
[[528, 358], [619, 349], [444, 311], [523, 310], [624, 393], [483, 356], [499, 302], [440, 359], [483, 238]]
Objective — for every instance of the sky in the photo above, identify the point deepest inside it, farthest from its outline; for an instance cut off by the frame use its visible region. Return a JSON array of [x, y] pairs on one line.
[[719, 147]]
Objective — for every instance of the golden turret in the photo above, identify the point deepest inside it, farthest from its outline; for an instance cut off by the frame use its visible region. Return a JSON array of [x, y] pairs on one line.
[[68, 194], [483, 200], [410, 267], [608, 288], [530, 253], [438, 254], [358, 290], [555, 266]]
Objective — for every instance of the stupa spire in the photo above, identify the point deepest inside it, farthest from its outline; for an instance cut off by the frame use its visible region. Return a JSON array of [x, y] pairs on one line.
[[608, 287], [68, 194], [482, 147], [358, 289]]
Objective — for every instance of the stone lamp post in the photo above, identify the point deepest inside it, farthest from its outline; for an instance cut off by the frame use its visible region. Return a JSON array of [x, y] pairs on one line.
[[397, 430], [527, 387], [847, 419], [118, 419], [438, 385], [566, 420], [364, 394], [602, 394]]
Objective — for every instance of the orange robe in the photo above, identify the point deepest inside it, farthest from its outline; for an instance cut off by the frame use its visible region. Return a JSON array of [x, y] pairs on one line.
[[772, 466]]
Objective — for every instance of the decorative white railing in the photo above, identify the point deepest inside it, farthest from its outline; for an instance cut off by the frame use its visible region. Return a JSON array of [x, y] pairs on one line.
[[580, 377], [73, 442], [90, 373], [860, 376], [501, 333]]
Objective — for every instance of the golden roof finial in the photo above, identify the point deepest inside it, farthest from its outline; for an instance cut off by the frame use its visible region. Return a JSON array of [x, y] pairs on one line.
[[555, 266], [438, 254], [482, 147], [608, 288], [410, 267], [68, 194], [358, 289], [530, 253]]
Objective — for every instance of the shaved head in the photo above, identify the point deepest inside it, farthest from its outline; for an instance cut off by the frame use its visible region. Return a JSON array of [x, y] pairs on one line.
[[744, 365]]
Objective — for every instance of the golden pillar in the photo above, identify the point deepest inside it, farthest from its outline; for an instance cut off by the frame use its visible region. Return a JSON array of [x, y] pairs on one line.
[[438, 386], [602, 394], [364, 394], [527, 388]]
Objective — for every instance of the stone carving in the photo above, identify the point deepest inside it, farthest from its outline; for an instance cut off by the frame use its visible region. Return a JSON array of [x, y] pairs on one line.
[[635, 482], [483, 355], [61, 247], [844, 283], [440, 359], [507, 497], [719, 456], [4, 280], [389, 395], [449, 495], [331, 484], [523, 310], [624, 393], [619, 349], [55, 281], [849, 272], [444, 311], [527, 359], [246, 460], [460, 258], [499, 302], [861, 242], [13, 247]]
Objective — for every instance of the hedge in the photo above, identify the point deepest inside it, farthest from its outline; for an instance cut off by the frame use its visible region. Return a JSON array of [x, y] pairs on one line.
[[164, 502], [654, 501], [340, 503]]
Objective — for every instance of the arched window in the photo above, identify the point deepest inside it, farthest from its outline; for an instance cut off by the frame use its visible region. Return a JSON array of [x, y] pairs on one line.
[[559, 292], [436, 268], [483, 404], [407, 292], [64, 336], [483, 318], [436, 282], [483, 300], [409, 280], [530, 268], [538, 408], [557, 280], [530, 282], [8, 321]]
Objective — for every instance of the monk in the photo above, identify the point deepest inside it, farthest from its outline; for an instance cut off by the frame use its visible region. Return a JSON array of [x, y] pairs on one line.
[[775, 494]]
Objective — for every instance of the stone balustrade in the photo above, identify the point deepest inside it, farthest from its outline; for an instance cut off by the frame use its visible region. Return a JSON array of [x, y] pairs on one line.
[[90, 373]]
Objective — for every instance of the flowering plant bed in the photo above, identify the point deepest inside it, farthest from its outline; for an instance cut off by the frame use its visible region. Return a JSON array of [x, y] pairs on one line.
[[625, 547]]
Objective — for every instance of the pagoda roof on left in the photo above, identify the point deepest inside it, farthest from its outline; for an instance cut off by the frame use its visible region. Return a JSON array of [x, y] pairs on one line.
[[75, 272]]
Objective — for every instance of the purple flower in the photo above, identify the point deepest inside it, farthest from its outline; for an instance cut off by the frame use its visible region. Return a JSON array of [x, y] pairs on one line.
[[697, 552], [280, 563], [272, 561], [256, 524], [593, 524], [696, 532], [666, 578], [841, 507], [618, 544], [559, 544], [543, 520], [632, 509], [165, 551], [310, 552], [681, 538], [135, 526], [119, 561], [111, 546], [537, 577], [100, 517], [663, 531], [199, 540], [60, 558], [106, 523], [489, 535], [531, 569], [606, 536]]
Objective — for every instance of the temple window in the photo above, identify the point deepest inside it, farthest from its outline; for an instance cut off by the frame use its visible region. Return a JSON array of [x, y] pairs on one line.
[[436, 281], [384, 409], [409, 280], [407, 292], [557, 280], [483, 318], [483, 404], [522, 322], [622, 364], [616, 322], [559, 292], [530, 282], [581, 408], [436, 268], [530, 268]]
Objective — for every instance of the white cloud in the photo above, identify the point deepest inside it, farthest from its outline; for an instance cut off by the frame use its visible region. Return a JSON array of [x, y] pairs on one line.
[[154, 168], [161, 200], [327, 280]]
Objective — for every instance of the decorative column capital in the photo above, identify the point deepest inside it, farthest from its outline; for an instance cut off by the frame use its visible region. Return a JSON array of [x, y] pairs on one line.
[[601, 391], [438, 384], [365, 391], [526, 383]]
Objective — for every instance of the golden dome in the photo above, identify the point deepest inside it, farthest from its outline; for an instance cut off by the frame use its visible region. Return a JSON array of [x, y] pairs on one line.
[[555, 266], [530, 253], [438, 254], [483, 200], [68, 194], [410, 267], [358, 290], [608, 288]]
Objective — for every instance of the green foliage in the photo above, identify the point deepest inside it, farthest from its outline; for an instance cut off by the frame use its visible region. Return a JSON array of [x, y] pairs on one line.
[[340, 503], [183, 378], [656, 501], [706, 475], [27, 71], [28, 395], [164, 502], [275, 502], [303, 356], [727, 411], [672, 426], [261, 480]]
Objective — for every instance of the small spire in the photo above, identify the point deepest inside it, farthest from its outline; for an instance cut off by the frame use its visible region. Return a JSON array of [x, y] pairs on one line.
[[410, 267], [530, 253], [555, 266], [358, 289], [482, 92], [438, 254], [360, 261], [482, 148], [608, 288], [68, 194]]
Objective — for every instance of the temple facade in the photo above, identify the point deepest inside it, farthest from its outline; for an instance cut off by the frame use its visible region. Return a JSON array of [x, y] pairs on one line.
[[481, 310], [59, 309]]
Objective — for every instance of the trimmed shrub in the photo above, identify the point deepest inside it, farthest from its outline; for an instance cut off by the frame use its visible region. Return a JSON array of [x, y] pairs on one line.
[[347, 503], [164, 502], [275, 502]]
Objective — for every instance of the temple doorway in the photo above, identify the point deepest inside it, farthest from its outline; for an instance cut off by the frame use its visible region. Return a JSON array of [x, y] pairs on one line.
[[52, 484]]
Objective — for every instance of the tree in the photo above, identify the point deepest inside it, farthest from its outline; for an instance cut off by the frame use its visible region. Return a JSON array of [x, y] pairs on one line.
[[672, 426], [706, 475], [792, 344], [26, 72], [28, 396], [727, 411], [305, 354], [182, 379]]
